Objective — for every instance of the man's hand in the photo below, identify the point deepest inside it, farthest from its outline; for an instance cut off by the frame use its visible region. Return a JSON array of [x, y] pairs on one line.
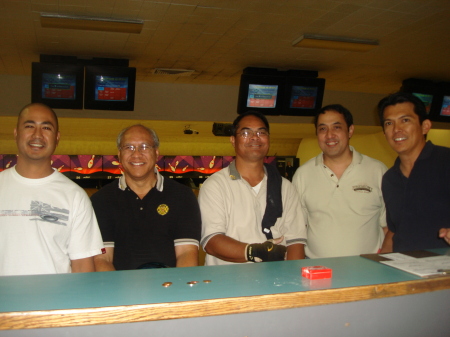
[[445, 234], [266, 251]]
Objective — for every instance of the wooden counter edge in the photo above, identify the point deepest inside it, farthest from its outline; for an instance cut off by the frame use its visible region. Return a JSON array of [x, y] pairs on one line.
[[213, 307]]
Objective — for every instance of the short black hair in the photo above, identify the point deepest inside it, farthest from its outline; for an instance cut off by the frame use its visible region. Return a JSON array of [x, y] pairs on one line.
[[402, 97], [348, 117], [249, 113]]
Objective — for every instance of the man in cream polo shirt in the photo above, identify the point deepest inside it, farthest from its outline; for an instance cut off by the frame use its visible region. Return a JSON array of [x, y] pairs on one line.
[[249, 212], [340, 191]]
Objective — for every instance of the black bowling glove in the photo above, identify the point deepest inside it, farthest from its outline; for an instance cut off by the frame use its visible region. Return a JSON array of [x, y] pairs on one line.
[[266, 251]]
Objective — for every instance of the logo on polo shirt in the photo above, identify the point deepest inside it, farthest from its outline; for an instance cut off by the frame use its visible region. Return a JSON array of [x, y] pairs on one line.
[[362, 188], [162, 209]]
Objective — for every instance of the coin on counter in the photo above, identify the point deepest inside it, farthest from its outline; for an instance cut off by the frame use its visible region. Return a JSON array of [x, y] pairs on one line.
[[167, 284], [206, 281], [191, 283]]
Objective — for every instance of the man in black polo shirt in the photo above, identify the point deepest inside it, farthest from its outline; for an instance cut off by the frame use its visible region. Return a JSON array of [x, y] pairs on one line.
[[143, 217], [416, 190]]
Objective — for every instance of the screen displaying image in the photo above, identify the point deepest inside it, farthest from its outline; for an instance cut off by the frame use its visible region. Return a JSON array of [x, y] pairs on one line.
[[426, 99], [445, 109], [111, 88], [58, 86], [262, 96], [303, 97]]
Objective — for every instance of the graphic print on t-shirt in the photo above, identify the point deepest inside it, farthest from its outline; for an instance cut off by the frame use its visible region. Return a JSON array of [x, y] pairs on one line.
[[41, 211]]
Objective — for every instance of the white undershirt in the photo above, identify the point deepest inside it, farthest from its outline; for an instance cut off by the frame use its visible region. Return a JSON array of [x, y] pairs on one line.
[[256, 188]]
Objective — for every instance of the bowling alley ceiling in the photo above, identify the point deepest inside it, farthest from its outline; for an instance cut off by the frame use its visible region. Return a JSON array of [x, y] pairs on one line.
[[217, 39]]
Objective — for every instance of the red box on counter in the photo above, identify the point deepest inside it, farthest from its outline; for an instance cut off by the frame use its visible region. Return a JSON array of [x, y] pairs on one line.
[[317, 272]]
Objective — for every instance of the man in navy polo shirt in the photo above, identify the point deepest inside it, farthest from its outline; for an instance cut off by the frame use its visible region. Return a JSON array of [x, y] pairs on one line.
[[416, 190], [145, 218]]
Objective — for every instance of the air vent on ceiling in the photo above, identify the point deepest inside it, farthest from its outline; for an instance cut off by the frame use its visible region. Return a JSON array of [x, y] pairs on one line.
[[177, 72]]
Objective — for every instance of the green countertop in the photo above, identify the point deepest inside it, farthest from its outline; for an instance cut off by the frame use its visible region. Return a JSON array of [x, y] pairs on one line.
[[88, 290]]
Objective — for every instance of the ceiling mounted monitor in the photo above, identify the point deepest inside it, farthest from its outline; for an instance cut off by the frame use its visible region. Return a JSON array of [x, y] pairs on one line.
[[60, 86], [110, 88], [274, 92], [261, 93]]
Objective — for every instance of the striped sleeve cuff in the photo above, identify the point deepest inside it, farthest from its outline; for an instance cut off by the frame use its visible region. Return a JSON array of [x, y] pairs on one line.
[[294, 241], [205, 240], [108, 244], [181, 242]]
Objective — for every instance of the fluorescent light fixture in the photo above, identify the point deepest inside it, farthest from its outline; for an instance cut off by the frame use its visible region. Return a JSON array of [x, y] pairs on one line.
[[176, 72], [49, 20], [335, 42]]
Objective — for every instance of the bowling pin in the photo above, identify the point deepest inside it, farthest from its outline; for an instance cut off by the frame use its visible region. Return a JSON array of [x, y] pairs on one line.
[[91, 162], [211, 163]]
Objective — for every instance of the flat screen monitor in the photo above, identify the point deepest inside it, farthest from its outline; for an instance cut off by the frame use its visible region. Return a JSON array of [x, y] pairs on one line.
[[304, 96], [261, 93], [110, 88], [262, 96], [445, 107], [441, 111], [427, 100], [426, 91], [60, 86]]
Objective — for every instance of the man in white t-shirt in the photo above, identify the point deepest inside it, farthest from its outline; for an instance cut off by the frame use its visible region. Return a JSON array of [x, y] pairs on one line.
[[340, 191], [47, 224]]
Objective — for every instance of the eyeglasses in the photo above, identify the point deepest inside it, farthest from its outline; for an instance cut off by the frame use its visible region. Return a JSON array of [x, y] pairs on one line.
[[247, 133], [143, 148]]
